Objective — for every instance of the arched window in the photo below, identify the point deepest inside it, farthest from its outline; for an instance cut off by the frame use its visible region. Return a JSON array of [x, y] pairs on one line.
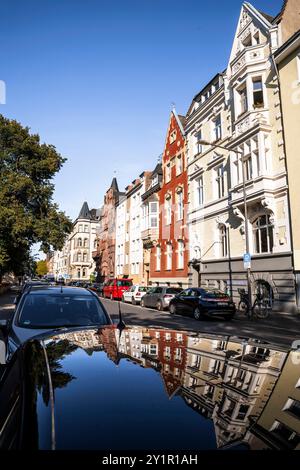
[[169, 257], [79, 258], [78, 273], [85, 242], [79, 242], [84, 257], [223, 241], [179, 205], [263, 234], [84, 273]]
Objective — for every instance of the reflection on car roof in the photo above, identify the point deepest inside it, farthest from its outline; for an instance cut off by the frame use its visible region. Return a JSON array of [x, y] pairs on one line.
[[57, 290]]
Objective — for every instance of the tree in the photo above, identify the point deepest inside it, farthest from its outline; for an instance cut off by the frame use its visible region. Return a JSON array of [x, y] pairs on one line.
[[41, 267], [28, 214]]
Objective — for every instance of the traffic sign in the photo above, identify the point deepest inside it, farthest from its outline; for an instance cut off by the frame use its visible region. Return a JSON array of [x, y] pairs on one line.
[[247, 261]]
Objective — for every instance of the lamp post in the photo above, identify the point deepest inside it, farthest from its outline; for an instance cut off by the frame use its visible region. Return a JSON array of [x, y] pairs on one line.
[[204, 142]]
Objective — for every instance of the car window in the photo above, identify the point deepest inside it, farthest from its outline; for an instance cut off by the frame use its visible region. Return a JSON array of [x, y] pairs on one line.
[[124, 283], [173, 290], [213, 294], [158, 290], [44, 311], [185, 293], [143, 289]]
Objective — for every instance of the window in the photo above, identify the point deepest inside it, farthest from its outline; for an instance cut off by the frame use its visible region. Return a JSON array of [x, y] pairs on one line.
[[168, 206], [84, 257], [287, 435], [79, 257], [258, 95], [293, 407], [199, 146], [247, 42], [158, 258], [217, 128], [169, 257], [154, 181], [180, 205], [168, 173], [179, 165], [223, 241], [263, 234], [173, 136], [180, 255], [153, 214], [220, 182], [79, 242], [80, 228], [85, 243], [248, 167], [243, 101], [86, 228], [243, 410], [199, 189], [83, 272]]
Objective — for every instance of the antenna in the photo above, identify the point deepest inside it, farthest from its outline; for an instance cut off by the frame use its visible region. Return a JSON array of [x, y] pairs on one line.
[[121, 325]]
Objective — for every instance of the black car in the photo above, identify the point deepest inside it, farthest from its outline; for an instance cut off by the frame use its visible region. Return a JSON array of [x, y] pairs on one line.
[[115, 389], [200, 302], [44, 308]]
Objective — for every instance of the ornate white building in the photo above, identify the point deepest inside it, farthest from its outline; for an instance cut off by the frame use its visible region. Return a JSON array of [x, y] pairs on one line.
[[74, 261], [240, 111]]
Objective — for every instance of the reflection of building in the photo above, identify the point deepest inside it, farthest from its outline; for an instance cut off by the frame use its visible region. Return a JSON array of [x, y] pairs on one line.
[[278, 426]]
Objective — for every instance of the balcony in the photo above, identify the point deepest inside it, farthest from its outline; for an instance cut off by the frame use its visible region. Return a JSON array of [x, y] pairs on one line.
[[150, 234], [249, 56]]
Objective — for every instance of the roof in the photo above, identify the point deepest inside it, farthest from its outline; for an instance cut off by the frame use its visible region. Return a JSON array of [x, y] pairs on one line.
[[84, 212], [114, 185], [266, 16], [57, 290]]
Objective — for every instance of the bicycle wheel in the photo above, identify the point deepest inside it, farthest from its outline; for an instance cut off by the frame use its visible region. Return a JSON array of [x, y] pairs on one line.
[[261, 310]]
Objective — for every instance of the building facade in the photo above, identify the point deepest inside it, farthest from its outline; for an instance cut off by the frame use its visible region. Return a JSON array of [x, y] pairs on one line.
[[75, 261], [287, 59], [104, 254], [169, 258], [239, 110]]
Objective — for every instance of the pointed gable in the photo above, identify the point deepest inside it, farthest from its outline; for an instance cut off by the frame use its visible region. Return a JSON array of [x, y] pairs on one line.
[[175, 135], [251, 22]]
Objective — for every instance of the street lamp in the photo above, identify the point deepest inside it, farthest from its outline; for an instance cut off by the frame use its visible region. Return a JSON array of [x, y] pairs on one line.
[[205, 142]]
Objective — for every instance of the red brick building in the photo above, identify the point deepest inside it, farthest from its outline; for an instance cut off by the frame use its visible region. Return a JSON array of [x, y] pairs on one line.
[[169, 258]]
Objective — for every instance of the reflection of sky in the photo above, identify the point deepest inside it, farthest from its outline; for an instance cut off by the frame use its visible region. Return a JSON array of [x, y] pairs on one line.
[[124, 406]]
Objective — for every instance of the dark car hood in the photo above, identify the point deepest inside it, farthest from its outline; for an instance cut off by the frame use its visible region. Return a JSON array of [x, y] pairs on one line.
[[149, 389]]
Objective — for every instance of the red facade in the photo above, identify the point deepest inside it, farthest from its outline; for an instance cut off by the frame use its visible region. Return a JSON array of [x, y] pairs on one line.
[[169, 260]]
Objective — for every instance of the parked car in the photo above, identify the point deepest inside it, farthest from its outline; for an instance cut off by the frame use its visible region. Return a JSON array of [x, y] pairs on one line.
[[200, 302], [159, 297], [135, 294], [72, 390], [41, 309], [114, 288], [97, 287]]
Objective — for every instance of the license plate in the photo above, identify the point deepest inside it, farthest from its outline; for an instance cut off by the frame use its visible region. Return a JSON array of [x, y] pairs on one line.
[[222, 304]]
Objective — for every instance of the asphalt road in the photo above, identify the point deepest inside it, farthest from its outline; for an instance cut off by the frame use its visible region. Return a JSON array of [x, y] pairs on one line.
[[280, 329]]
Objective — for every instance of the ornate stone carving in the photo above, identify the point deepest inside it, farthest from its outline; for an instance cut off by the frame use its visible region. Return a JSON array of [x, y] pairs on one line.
[[245, 19]]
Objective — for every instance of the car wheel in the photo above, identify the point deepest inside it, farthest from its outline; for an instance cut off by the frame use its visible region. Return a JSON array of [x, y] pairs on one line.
[[142, 303], [159, 306], [133, 301], [172, 309], [197, 313]]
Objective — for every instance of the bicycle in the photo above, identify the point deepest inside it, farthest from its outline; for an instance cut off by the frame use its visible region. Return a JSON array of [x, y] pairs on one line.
[[261, 308]]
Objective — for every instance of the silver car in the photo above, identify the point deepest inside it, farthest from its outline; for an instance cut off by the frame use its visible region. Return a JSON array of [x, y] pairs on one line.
[[159, 297]]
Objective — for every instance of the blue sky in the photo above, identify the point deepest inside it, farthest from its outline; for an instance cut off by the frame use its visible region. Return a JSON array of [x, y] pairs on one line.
[[97, 78]]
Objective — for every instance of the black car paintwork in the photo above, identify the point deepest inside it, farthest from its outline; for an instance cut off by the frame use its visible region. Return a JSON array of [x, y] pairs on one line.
[[82, 389], [186, 304]]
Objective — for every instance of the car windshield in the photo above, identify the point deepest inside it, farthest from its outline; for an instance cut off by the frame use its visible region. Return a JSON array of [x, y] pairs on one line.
[[124, 283], [49, 311], [173, 291], [213, 294]]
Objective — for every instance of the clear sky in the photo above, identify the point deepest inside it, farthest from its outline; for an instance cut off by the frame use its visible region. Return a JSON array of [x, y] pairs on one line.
[[97, 78]]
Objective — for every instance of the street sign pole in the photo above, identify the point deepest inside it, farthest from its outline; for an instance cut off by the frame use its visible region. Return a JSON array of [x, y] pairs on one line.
[[247, 234]]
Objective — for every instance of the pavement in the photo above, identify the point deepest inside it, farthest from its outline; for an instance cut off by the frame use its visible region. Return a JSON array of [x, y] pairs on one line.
[[280, 328]]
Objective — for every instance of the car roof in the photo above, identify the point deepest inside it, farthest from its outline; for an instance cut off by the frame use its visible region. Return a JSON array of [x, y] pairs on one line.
[[56, 290]]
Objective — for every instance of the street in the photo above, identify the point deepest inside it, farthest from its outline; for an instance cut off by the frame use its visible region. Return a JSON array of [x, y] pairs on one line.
[[281, 329]]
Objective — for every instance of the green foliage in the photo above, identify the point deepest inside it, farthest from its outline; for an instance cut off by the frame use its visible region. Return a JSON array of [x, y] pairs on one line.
[[41, 267], [27, 212]]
